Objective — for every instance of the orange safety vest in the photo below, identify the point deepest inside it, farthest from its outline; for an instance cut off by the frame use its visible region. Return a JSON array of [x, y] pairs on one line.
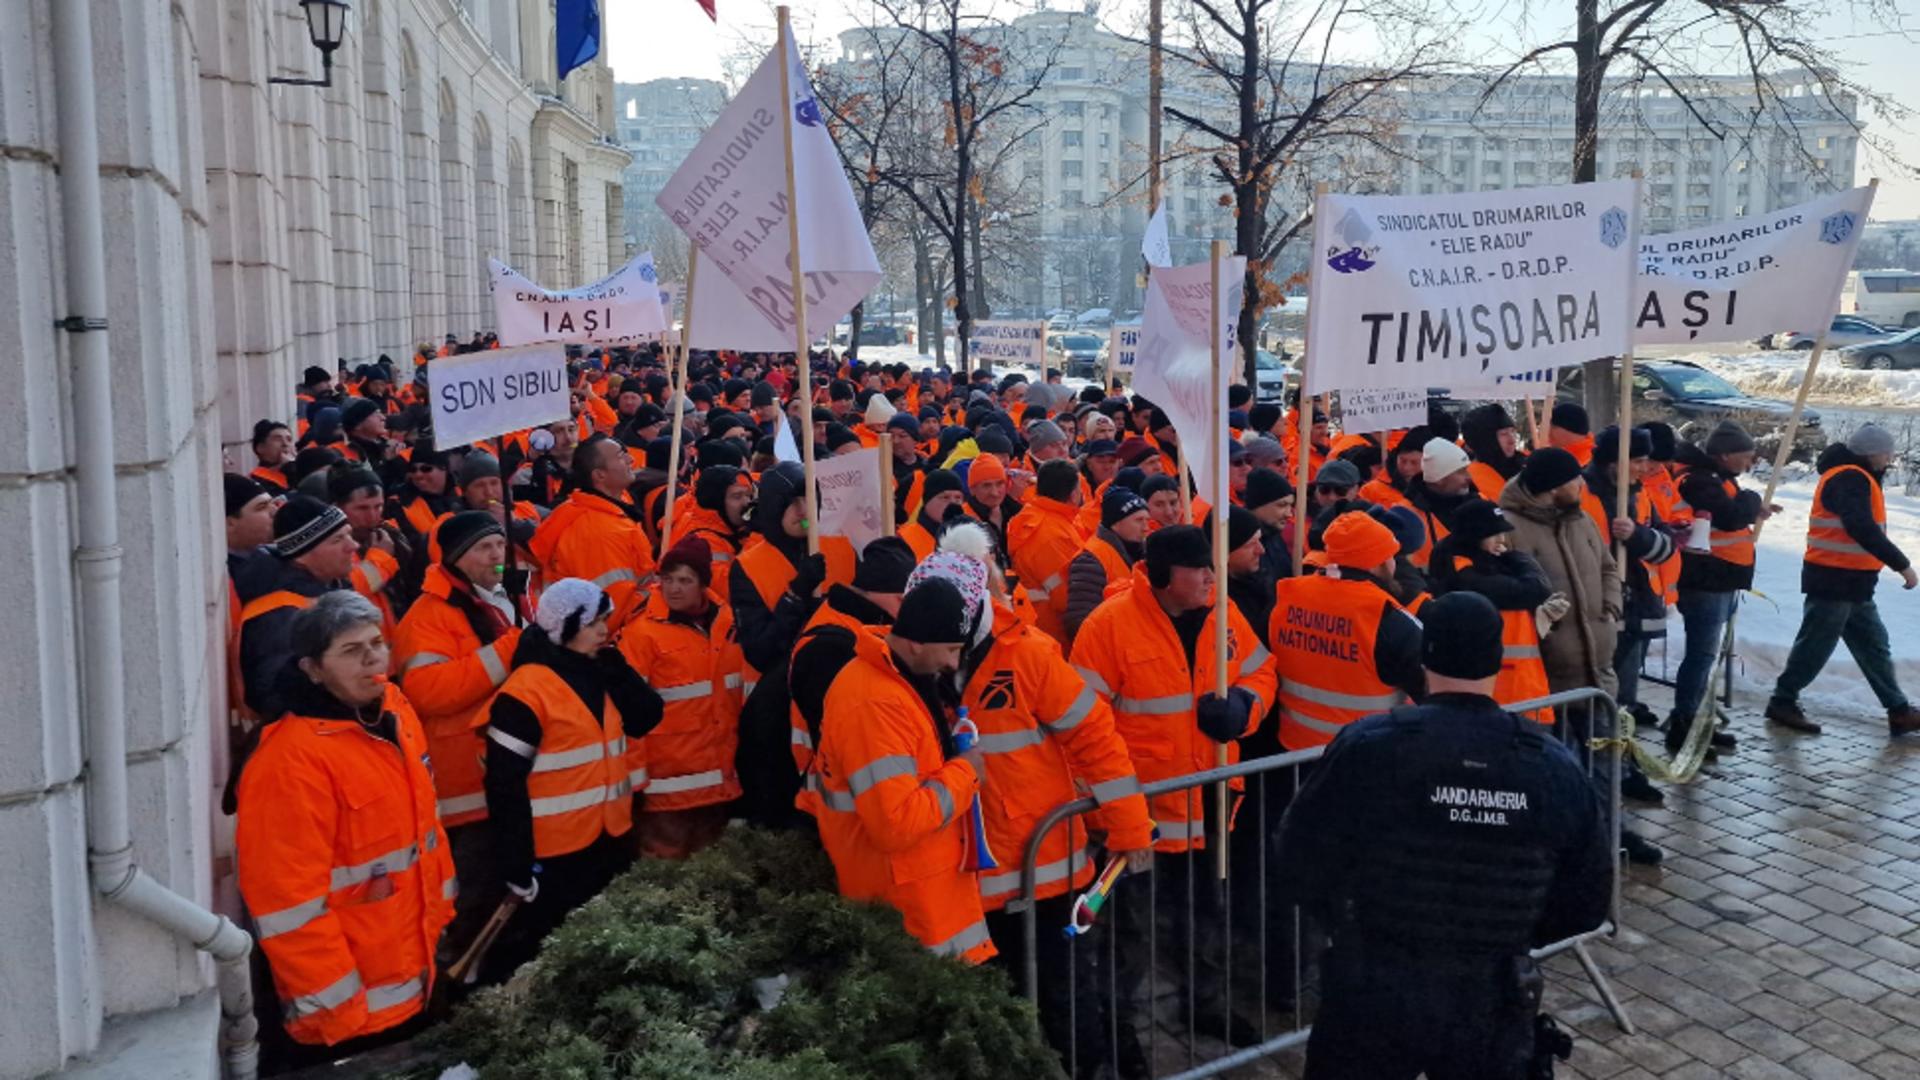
[[893, 807], [1043, 731], [1486, 480], [589, 536], [689, 757], [1323, 632], [771, 573], [345, 870], [1828, 543], [918, 538], [451, 677], [373, 571], [583, 776], [1128, 651], [1523, 674], [1732, 545], [1041, 541]]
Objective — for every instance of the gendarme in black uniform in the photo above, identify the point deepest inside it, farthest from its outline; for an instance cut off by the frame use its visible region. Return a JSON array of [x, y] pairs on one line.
[[1439, 843]]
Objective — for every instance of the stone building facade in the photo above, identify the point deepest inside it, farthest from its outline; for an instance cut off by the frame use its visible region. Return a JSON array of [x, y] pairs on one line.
[[251, 230]]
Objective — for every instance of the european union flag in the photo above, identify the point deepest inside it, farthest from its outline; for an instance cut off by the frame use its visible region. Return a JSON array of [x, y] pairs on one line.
[[576, 33]]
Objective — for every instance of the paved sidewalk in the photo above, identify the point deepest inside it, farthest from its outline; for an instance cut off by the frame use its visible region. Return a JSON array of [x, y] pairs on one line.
[[1779, 938]]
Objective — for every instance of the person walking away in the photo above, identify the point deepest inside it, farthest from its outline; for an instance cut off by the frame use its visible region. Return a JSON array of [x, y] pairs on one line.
[[1149, 652], [1477, 556], [452, 651], [342, 861], [1847, 547], [683, 645], [1045, 737], [1711, 581], [559, 769], [1440, 843], [1544, 503], [1344, 647], [1042, 541], [894, 792], [1649, 546], [595, 534]]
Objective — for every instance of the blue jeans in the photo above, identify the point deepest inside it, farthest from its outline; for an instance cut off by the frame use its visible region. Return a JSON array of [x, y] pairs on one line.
[[1705, 616], [1628, 658], [1826, 623]]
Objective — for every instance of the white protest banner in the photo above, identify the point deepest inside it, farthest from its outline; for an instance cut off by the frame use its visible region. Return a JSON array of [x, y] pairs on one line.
[[1154, 245], [1741, 279], [1002, 342], [1123, 340], [785, 445], [1175, 360], [1525, 384], [491, 392], [1418, 291], [850, 496], [729, 197], [620, 309], [1363, 412]]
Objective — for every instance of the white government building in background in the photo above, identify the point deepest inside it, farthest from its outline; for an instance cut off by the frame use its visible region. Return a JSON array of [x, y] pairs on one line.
[[249, 231]]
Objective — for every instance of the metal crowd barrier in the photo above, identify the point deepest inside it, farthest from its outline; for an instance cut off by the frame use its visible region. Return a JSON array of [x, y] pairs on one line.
[[1177, 942]]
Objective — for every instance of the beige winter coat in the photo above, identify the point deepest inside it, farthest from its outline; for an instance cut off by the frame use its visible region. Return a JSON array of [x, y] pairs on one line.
[[1578, 652]]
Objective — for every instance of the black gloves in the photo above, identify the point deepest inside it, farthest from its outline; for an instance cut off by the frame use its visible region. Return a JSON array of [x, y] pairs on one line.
[[1225, 719], [813, 571]]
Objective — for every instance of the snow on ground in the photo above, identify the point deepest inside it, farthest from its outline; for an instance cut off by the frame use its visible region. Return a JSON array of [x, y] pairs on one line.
[[1768, 620], [1776, 374]]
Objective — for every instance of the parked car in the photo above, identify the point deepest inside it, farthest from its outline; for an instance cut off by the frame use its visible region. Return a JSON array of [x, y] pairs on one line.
[[1902, 350], [1693, 400], [1270, 377], [1844, 330], [1076, 354], [873, 333], [1095, 318]]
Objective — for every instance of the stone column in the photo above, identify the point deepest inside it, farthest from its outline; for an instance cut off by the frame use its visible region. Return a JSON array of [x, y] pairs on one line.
[[347, 175], [386, 191], [302, 115], [456, 221], [425, 288]]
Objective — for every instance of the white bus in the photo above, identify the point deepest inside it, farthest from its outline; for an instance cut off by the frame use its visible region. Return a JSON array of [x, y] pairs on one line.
[[1888, 297]]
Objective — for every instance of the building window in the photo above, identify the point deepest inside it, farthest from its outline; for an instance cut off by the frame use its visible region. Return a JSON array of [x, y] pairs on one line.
[[1106, 140], [1069, 170], [1073, 108], [1072, 73], [1070, 138]]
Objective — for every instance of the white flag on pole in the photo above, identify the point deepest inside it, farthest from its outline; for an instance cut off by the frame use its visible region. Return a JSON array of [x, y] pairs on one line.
[[1175, 361], [1429, 290], [729, 197], [1154, 246], [850, 496], [1740, 279], [622, 308], [784, 446]]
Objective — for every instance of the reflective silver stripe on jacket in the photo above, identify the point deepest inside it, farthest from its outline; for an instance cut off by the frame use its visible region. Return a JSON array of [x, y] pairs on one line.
[[972, 937], [1335, 699], [837, 800], [637, 779], [1119, 787], [941, 793], [731, 682], [1181, 830], [879, 769], [462, 804], [554, 761], [391, 994], [668, 785], [1324, 727], [1171, 705], [330, 997], [1045, 874], [450, 889], [1253, 660], [1841, 547], [289, 919], [490, 660], [1823, 521], [1044, 591], [614, 577], [393, 862], [1520, 652], [1095, 680], [580, 800], [375, 576], [802, 738], [519, 746], [685, 691], [1079, 710], [1006, 742], [424, 659]]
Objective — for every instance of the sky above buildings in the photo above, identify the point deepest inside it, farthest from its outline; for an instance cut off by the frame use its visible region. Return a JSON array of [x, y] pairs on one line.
[[668, 38]]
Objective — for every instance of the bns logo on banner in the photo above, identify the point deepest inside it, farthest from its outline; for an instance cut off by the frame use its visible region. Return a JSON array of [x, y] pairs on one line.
[[1353, 256], [1837, 228], [1613, 227]]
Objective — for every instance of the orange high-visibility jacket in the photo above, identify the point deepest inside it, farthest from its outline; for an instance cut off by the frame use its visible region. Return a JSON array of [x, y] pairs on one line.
[[710, 526], [917, 536], [770, 572], [590, 536], [689, 757], [1664, 493], [893, 807], [802, 742], [1486, 480], [1828, 542], [1129, 652], [1041, 540], [374, 571], [1323, 631], [1047, 737], [583, 776], [346, 871], [450, 675]]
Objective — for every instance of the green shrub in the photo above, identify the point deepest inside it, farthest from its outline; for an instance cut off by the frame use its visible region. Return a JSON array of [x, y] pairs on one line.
[[654, 980]]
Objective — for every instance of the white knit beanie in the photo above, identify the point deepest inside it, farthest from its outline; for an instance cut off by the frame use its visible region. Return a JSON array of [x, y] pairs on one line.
[[1440, 459]]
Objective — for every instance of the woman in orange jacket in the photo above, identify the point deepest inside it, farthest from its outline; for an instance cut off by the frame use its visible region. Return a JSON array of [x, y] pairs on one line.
[[683, 644], [342, 862]]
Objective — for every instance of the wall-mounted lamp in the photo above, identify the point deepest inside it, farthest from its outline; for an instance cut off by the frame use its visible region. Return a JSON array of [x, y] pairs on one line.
[[326, 28]]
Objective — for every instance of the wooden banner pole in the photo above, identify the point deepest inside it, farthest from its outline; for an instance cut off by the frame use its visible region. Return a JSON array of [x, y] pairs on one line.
[[799, 280]]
